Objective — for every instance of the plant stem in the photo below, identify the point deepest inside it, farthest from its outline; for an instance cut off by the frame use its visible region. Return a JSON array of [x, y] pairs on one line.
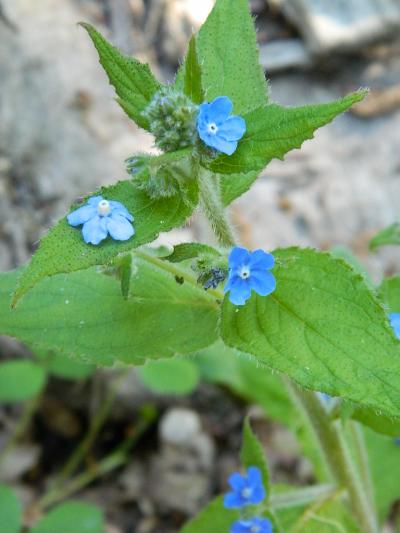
[[118, 457], [337, 455], [362, 459], [211, 203], [176, 271], [328, 432], [96, 424], [22, 425], [301, 497]]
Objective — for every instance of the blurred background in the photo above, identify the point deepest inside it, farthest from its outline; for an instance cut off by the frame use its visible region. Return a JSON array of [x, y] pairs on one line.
[[62, 135]]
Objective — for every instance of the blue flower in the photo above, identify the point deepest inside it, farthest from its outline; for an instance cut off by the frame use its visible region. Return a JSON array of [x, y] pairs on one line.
[[254, 525], [395, 323], [101, 217], [249, 270], [247, 490], [325, 398], [216, 128]]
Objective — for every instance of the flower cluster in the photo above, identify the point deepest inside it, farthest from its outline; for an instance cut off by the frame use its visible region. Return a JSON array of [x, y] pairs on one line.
[[249, 271], [247, 490], [172, 120], [176, 122]]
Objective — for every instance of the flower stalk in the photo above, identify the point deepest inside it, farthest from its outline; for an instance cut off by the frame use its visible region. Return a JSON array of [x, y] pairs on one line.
[[328, 432]]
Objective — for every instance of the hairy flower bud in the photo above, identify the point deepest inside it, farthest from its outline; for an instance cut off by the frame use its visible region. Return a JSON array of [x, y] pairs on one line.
[[172, 119], [161, 176]]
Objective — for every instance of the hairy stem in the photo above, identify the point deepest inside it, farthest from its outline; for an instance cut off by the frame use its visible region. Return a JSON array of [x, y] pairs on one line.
[[301, 497], [22, 425], [328, 432], [362, 459], [118, 457], [337, 455], [96, 424], [211, 203]]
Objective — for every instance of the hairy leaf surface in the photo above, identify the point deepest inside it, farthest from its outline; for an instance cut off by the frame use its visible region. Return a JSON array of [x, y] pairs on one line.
[[323, 327], [228, 57], [274, 130], [84, 314], [133, 81], [64, 250]]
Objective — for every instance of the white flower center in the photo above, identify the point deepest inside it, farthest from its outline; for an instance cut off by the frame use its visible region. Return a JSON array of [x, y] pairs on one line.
[[103, 208], [244, 272], [212, 128], [246, 493], [255, 529]]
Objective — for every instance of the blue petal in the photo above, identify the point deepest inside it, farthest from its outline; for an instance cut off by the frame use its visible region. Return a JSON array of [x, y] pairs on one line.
[[237, 481], [81, 215], [216, 142], [233, 500], [118, 208], [257, 495], [203, 116], [232, 277], [94, 230], [95, 200], [119, 227], [264, 524], [241, 526], [240, 291], [238, 257], [395, 323], [261, 260], [263, 282], [254, 476], [220, 109], [226, 147], [232, 129]]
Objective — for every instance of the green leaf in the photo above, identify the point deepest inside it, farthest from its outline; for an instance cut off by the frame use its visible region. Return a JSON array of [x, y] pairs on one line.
[[252, 454], [133, 81], [62, 366], [384, 457], [273, 130], [20, 380], [347, 255], [214, 518], [326, 516], [84, 315], [71, 516], [190, 250], [64, 250], [389, 235], [191, 74], [222, 365], [228, 56], [378, 422], [10, 511], [390, 293], [234, 185], [173, 376], [323, 327]]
